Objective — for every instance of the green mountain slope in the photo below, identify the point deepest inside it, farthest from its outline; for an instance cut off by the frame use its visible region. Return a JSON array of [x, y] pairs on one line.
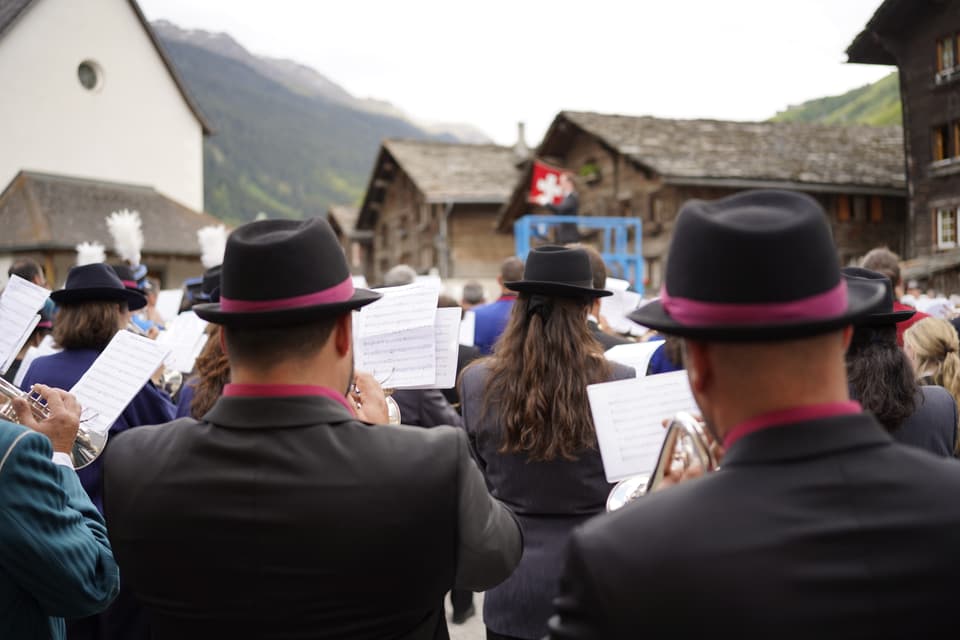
[[275, 150], [875, 104]]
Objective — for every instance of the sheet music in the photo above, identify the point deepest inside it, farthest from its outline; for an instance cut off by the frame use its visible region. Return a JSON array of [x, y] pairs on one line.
[[168, 303], [19, 304], [359, 282], [628, 415], [468, 327], [401, 359], [446, 332], [185, 336], [27, 332], [46, 347], [617, 307], [636, 355], [408, 307], [116, 376]]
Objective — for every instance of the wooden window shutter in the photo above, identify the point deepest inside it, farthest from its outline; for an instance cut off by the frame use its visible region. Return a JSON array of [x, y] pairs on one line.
[[939, 55], [843, 208], [938, 144], [876, 209]]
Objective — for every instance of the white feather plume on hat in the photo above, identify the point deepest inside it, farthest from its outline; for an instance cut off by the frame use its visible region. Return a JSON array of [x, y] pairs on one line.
[[213, 243], [90, 253], [127, 230]]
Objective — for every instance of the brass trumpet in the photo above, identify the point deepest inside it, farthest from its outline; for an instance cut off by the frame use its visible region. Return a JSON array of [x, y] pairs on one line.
[[88, 444], [686, 441]]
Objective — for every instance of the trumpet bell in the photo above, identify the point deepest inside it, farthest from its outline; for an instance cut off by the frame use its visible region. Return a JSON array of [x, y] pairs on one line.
[[625, 491], [89, 443]]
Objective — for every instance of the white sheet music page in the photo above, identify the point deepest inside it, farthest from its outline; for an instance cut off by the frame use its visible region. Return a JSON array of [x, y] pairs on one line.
[[446, 333], [636, 355], [468, 327], [411, 306], [168, 303], [116, 376], [185, 336], [629, 414], [19, 304], [401, 359]]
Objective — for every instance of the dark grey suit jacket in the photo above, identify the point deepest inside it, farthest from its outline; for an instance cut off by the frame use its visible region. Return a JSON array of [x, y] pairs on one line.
[[933, 424], [549, 499], [820, 529], [286, 517]]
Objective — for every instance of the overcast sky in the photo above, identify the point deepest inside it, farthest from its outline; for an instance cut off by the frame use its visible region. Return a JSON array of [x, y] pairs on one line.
[[496, 62]]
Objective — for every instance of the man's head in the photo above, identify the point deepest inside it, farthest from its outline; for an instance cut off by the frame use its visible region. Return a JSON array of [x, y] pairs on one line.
[[472, 295], [884, 261], [28, 269], [778, 343], [568, 183], [285, 300], [511, 270], [399, 275]]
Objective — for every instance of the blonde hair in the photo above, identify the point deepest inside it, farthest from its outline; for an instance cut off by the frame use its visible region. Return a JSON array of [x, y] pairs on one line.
[[935, 344]]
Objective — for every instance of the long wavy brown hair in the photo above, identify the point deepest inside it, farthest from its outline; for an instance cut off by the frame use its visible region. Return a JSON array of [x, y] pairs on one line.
[[213, 372], [538, 377]]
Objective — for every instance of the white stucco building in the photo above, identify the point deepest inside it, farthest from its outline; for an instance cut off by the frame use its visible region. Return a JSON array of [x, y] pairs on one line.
[[89, 93]]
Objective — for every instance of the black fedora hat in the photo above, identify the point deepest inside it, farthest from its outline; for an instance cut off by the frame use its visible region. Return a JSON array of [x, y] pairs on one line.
[[757, 265], [884, 313], [97, 283], [126, 275], [283, 272], [552, 270]]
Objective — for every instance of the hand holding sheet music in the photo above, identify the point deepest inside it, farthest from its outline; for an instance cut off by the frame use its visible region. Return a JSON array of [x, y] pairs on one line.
[[629, 414]]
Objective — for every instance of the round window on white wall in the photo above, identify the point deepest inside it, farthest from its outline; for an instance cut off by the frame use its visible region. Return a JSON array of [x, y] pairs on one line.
[[90, 75]]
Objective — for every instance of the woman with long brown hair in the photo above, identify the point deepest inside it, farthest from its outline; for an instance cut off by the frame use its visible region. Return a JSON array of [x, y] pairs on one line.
[[526, 412]]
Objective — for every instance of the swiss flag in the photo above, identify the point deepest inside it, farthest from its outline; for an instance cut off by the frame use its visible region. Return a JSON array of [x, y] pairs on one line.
[[545, 184]]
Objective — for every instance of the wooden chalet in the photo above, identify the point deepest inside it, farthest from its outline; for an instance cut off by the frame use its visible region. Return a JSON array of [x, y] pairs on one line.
[[922, 38], [45, 216], [435, 205], [647, 167]]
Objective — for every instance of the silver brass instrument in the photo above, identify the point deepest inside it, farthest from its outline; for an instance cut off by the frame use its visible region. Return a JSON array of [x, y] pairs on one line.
[[393, 411], [89, 443], [686, 441]]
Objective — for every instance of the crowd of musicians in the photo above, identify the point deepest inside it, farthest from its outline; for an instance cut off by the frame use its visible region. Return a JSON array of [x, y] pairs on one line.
[[271, 498]]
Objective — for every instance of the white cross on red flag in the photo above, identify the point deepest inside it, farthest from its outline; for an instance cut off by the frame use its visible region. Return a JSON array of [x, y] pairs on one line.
[[545, 184]]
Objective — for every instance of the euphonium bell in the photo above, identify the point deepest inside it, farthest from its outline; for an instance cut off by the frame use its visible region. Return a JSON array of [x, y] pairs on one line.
[[88, 444], [685, 442]]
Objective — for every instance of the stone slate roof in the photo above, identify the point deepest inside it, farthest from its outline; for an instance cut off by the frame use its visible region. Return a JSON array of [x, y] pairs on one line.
[[343, 218], [446, 171], [784, 152], [51, 212], [12, 10]]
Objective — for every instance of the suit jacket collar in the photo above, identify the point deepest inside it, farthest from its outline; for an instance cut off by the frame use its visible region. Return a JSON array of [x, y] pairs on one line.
[[807, 439], [282, 412]]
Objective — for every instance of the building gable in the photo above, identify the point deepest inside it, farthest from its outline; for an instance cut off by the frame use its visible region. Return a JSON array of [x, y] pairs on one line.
[[131, 122]]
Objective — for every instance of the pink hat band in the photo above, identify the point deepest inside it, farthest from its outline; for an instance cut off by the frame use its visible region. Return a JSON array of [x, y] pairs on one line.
[[338, 293]]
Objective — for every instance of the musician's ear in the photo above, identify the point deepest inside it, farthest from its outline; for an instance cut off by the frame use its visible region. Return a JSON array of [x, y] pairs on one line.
[[343, 334], [697, 362]]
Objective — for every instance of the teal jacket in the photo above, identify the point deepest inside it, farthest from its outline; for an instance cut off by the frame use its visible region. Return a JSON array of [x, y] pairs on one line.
[[55, 558]]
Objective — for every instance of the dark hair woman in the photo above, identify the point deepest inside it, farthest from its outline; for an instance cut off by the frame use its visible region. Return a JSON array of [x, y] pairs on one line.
[[526, 412], [882, 380], [93, 306]]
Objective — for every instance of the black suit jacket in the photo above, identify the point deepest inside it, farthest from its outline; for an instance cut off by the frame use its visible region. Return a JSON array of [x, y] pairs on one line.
[[288, 518], [823, 529]]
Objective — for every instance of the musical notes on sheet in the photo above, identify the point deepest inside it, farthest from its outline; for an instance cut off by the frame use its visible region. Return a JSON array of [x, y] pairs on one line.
[[116, 376], [408, 307], [19, 304], [446, 334], [629, 414], [401, 359]]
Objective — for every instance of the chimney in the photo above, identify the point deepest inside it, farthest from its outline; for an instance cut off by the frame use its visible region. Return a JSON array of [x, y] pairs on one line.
[[520, 148]]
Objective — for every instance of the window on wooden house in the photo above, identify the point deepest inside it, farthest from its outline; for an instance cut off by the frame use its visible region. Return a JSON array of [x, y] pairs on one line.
[[947, 228], [876, 209], [843, 208], [946, 54], [941, 143], [859, 209]]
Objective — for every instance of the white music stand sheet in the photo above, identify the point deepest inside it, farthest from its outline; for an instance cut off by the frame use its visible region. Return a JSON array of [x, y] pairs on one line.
[[411, 306], [116, 376], [168, 303], [629, 414], [468, 328], [20, 302], [636, 355], [445, 334]]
